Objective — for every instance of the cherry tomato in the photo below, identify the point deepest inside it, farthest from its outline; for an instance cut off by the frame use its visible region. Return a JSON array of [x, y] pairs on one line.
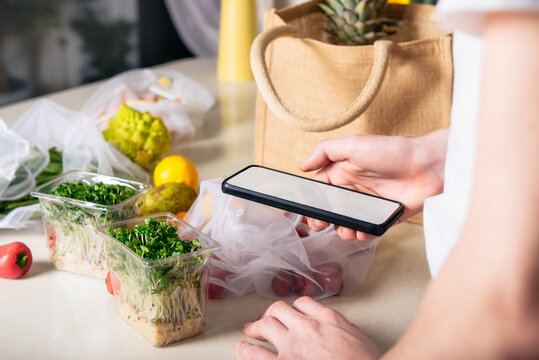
[[305, 286], [15, 260], [330, 279], [303, 228], [335, 265], [50, 231], [282, 283], [108, 282], [113, 284], [302, 231], [213, 289]]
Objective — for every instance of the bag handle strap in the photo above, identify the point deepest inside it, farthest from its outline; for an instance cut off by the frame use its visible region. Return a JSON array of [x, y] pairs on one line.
[[382, 51]]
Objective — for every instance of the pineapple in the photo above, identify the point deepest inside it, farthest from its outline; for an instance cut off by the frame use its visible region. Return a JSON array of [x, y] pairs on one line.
[[358, 22]]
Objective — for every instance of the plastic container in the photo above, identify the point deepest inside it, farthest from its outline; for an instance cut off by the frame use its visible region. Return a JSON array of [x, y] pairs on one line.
[[71, 225], [163, 300]]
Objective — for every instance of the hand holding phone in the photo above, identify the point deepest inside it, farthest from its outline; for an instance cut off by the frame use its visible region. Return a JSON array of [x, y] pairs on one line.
[[341, 206]]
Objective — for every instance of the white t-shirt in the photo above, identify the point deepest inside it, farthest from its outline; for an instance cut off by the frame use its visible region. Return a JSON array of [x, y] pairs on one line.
[[445, 214]]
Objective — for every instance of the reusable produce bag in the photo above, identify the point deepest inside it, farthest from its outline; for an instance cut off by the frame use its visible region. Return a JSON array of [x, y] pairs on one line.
[[182, 101], [311, 90], [264, 249], [25, 154]]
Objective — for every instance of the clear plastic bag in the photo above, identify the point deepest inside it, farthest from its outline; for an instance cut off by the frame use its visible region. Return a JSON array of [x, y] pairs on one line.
[[273, 252], [179, 101], [14, 149], [47, 125]]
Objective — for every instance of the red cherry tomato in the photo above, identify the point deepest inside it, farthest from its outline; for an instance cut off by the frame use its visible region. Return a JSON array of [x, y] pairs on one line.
[[330, 279], [305, 286], [15, 260], [113, 284], [335, 265], [108, 282], [302, 231], [213, 289], [282, 283], [50, 231]]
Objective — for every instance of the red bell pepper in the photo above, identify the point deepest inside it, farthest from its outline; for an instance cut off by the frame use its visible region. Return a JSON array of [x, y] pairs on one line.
[[15, 260]]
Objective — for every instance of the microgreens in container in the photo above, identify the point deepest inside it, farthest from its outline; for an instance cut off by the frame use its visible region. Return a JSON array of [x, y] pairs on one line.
[[161, 264], [73, 206]]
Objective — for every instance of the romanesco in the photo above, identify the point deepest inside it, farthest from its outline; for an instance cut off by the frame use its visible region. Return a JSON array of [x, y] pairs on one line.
[[143, 138]]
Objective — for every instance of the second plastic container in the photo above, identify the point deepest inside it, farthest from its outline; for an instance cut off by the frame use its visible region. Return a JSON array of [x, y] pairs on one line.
[[163, 300]]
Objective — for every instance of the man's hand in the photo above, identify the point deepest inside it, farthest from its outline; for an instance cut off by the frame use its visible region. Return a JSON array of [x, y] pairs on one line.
[[305, 331], [407, 169]]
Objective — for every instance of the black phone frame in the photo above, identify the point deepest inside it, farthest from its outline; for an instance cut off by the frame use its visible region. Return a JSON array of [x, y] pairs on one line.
[[315, 213]]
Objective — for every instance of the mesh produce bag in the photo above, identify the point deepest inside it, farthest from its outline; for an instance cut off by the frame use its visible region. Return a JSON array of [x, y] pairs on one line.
[[273, 252]]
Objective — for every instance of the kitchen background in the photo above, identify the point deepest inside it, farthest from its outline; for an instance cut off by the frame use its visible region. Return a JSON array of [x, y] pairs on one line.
[[50, 45]]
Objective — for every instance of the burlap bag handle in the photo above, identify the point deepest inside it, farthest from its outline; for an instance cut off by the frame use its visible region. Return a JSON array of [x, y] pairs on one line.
[[382, 51]]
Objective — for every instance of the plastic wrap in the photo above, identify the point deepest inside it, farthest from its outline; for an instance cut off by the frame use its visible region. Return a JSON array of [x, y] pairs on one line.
[[163, 300], [273, 252], [71, 225]]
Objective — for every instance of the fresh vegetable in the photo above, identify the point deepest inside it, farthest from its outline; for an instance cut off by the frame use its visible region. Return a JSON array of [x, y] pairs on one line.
[[213, 289], [52, 170], [70, 225], [143, 138], [154, 240], [112, 282], [97, 193], [169, 197], [15, 260], [176, 169], [282, 283], [330, 280], [50, 231], [335, 265], [108, 282], [305, 286], [161, 294]]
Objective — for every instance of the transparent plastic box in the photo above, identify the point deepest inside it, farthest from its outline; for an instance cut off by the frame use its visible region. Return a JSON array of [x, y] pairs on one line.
[[163, 300], [71, 225]]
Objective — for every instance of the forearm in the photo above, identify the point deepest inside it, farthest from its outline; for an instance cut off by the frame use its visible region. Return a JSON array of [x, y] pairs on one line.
[[485, 301]]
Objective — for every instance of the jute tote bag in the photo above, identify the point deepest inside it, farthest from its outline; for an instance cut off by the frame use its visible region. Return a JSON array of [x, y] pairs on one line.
[[310, 89]]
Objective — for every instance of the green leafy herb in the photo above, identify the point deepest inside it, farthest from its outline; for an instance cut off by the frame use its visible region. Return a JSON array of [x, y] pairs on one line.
[[154, 240], [52, 170], [170, 290], [97, 193]]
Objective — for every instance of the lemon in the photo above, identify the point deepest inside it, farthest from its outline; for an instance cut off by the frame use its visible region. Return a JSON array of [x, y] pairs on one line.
[[176, 169]]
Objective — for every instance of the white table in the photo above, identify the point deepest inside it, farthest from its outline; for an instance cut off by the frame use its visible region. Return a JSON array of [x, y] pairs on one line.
[[49, 314]]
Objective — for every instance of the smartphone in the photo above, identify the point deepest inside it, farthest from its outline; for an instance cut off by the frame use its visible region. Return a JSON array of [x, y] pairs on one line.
[[337, 205]]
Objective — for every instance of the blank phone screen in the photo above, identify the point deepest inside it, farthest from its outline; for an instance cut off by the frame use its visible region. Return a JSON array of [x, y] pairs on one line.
[[317, 195]]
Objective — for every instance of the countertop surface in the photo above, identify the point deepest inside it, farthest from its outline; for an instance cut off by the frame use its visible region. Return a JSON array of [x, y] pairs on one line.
[[50, 314]]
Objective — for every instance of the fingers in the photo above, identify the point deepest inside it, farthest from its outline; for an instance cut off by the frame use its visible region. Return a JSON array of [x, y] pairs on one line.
[[349, 234], [267, 328], [281, 311], [248, 351], [361, 236], [325, 152], [317, 225], [344, 233], [308, 306]]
